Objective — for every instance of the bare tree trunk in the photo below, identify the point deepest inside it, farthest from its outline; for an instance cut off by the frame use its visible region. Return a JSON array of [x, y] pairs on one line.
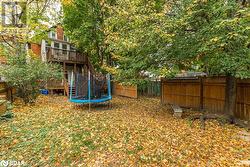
[[230, 96]]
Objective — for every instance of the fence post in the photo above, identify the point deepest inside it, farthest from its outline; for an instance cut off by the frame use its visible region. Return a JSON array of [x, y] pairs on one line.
[[201, 94], [161, 90]]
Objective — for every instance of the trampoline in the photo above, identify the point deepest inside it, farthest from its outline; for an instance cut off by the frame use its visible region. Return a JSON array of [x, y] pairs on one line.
[[89, 89]]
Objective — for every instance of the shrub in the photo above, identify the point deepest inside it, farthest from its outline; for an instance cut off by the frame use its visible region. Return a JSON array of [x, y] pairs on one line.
[[28, 75]]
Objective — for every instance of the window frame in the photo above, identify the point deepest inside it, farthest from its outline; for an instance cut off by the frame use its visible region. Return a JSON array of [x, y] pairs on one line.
[[51, 35], [65, 38], [58, 45]]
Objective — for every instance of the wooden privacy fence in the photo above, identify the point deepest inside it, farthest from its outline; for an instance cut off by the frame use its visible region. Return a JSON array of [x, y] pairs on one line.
[[206, 93], [152, 88], [126, 91]]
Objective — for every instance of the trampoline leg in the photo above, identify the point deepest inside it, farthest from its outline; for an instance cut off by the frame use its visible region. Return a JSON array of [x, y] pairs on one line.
[[89, 106], [110, 105]]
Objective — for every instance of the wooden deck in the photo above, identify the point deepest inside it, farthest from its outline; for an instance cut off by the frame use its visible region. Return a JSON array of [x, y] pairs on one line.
[[68, 56]]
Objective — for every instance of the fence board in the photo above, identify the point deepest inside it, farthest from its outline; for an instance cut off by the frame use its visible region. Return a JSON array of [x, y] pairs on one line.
[[243, 99], [151, 88], [187, 93], [214, 94], [182, 93], [122, 90]]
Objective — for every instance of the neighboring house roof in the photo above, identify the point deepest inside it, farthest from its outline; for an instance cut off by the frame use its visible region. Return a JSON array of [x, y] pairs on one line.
[[190, 74], [150, 75]]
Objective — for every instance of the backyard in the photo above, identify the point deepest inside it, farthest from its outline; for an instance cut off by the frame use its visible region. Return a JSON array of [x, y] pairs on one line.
[[133, 132], [168, 82]]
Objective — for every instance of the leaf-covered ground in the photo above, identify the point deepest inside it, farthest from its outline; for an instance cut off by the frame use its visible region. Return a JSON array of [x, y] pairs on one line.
[[133, 133]]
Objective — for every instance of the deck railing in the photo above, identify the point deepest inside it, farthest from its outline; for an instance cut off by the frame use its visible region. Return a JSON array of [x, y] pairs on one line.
[[55, 54], [55, 84]]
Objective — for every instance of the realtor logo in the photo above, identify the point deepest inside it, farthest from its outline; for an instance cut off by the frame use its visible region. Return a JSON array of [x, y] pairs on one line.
[[4, 163], [14, 14]]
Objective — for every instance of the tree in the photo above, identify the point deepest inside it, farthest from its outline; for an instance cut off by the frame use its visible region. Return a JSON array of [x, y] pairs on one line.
[[119, 30], [83, 22], [29, 21], [136, 30], [159, 37], [214, 36], [28, 77]]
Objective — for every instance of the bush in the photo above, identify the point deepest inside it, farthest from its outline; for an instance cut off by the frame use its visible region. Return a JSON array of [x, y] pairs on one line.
[[28, 75]]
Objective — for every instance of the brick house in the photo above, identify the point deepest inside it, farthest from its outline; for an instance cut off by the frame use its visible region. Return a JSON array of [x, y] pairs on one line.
[[59, 50]]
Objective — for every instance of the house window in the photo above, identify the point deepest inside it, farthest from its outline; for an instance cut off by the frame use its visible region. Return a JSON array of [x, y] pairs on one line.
[[64, 47], [53, 35], [65, 38], [56, 45]]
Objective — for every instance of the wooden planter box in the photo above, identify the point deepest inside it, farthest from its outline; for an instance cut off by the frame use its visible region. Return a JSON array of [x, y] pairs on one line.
[[3, 107]]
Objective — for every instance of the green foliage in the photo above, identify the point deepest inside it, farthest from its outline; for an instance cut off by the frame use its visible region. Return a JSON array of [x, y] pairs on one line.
[[213, 36], [83, 22], [28, 76], [136, 31], [210, 36], [41, 15], [162, 37], [7, 116], [128, 32], [37, 17]]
